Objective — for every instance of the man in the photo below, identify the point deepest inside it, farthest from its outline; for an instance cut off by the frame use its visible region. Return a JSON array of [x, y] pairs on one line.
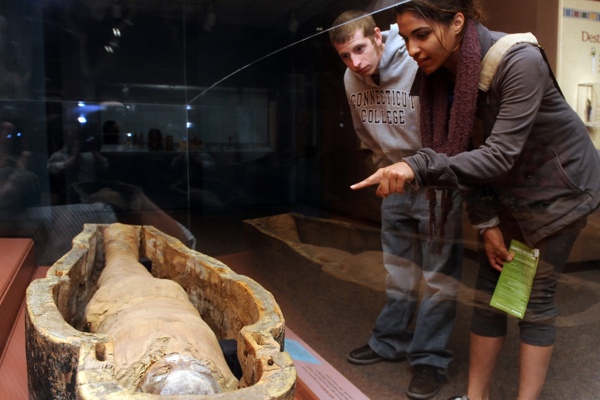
[[377, 81]]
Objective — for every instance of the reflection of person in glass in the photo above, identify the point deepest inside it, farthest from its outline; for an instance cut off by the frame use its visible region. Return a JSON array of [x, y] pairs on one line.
[[414, 252], [82, 165], [79, 160], [18, 186], [534, 178]]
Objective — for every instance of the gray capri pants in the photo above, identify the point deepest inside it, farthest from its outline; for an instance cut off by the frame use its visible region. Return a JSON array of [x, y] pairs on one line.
[[537, 327]]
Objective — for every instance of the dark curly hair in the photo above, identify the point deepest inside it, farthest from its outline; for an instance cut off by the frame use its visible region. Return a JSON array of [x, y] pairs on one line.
[[443, 11]]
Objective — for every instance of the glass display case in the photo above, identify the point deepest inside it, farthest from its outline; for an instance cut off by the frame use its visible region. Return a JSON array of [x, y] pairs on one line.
[[588, 108], [588, 103], [203, 117]]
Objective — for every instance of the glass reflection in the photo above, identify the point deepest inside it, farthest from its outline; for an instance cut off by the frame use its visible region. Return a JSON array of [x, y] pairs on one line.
[[196, 116]]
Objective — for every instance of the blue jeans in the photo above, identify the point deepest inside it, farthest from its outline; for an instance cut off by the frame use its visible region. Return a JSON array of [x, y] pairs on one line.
[[413, 257]]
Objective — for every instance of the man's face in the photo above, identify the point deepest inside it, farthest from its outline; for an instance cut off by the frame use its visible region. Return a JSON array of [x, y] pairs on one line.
[[361, 54], [432, 45]]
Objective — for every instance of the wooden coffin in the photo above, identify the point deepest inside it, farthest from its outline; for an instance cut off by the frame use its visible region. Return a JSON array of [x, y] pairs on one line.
[[66, 362]]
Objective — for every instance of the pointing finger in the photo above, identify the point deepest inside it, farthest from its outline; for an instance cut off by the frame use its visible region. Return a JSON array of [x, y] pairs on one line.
[[370, 181]]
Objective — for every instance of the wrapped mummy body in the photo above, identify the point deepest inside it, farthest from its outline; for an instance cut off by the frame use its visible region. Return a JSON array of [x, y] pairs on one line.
[[161, 344]]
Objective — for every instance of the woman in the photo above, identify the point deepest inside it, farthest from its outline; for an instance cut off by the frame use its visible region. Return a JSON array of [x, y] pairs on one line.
[[522, 152]]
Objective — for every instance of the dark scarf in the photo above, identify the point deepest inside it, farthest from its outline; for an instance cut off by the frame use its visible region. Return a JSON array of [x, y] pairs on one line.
[[450, 135]]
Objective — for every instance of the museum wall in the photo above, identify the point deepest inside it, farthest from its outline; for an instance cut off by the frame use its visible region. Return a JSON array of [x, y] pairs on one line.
[[539, 17], [577, 70], [569, 31], [579, 29]]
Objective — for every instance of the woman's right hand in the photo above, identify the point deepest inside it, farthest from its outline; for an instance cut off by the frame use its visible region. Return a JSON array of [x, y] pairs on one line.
[[390, 179]]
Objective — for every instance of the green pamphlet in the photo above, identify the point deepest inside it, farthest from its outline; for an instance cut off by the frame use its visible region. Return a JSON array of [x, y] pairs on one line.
[[516, 279]]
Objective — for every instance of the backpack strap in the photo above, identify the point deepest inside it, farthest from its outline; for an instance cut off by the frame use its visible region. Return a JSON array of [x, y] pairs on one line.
[[492, 59], [550, 71]]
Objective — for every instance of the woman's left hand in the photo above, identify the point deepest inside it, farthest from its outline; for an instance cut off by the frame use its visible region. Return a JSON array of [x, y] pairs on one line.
[[495, 249]]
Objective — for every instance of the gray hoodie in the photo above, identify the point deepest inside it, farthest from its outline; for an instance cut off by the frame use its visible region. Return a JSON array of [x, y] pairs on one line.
[[386, 116]]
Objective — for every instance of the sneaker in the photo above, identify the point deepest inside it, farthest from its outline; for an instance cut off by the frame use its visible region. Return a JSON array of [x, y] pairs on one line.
[[426, 382], [463, 397], [364, 355]]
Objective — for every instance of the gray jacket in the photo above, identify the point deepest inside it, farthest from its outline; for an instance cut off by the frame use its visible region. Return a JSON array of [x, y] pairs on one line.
[[536, 161]]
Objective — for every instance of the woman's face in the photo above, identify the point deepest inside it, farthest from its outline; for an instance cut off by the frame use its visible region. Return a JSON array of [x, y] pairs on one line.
[[432, 44]]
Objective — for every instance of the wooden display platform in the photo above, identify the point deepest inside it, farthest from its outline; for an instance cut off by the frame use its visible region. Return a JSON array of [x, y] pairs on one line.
[[13, 363], [317, 379], [17, 266]]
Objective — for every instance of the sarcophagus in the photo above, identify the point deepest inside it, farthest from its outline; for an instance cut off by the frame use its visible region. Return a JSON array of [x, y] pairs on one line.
[[68, 360]]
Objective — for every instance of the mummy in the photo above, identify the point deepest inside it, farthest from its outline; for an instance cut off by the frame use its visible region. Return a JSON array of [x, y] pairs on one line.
[[161, 344]]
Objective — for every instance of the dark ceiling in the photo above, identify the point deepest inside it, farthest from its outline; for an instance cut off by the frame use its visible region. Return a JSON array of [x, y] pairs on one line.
[[215, 38]]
